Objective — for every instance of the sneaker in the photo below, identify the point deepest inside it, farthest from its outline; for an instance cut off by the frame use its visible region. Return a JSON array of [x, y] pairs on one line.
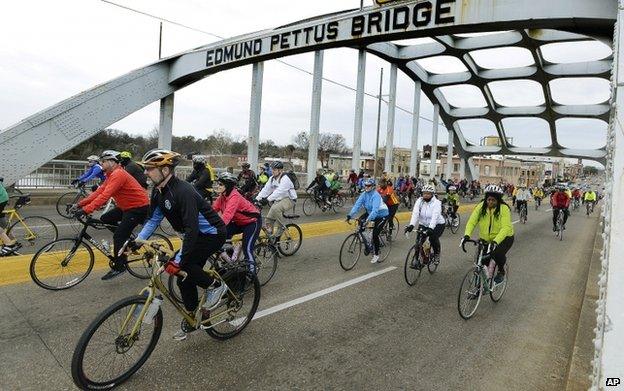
[[10, 249], [182, 334], [214, 295], [436, 259], [500, 277], [375, 259], [116, 272]]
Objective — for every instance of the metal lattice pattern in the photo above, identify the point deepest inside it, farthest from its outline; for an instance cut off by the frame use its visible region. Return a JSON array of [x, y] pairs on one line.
[[540, 72]]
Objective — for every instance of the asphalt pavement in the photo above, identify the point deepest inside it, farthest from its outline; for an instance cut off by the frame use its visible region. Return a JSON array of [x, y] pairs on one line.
[[324, 328]]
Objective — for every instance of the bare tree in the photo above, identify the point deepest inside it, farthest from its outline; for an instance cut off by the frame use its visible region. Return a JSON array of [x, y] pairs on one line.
[[330, 143], [301, 140]]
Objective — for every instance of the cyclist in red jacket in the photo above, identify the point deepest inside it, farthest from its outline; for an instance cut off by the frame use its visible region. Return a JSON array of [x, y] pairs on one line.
[[131, 210], [238, 214], [559, 200]]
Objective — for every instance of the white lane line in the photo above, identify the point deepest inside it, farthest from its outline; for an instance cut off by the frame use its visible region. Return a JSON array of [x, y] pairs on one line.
[[320, 293]]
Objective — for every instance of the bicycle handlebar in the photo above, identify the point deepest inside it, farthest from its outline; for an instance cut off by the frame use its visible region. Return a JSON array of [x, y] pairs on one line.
[[463, 244]]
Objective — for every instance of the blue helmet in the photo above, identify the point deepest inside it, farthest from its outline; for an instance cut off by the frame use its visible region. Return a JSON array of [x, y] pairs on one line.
[[369, 182]]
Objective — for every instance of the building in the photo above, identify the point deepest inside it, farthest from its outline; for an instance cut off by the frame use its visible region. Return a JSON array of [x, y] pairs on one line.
[[400, 161], [572, 172], [491, 169], [341, 164]]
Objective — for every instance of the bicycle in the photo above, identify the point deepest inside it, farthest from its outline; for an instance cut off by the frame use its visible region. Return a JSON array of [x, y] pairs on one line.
[[538, 202], [69, 199], [452, 223], [230, 256], [476, 281], [64, 263], [589, 207], [315, 201], [559, 225], [131, 327], [576, 203], [34, 230], [405, 199], [287, 238], [352, 245], [421, 254], [523, 213]]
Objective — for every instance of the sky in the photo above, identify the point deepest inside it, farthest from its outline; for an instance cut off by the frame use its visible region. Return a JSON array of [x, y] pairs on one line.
[[56, 49]]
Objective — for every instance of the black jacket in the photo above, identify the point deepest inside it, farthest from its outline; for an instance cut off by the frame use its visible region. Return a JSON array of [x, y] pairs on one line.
[[136, 172]]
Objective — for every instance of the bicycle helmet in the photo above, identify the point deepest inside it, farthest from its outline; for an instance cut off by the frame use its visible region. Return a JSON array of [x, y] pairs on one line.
[[93, 158], [227, 179], [110, 154], [493, 189], [160, 157], [368, 182], [278, 165], [452, 188], [428, 189], [125, 155], [245, 165], [199, 159]]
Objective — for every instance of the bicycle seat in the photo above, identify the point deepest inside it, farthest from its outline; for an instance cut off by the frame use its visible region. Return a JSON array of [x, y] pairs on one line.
[[294, 216], [24, 199]]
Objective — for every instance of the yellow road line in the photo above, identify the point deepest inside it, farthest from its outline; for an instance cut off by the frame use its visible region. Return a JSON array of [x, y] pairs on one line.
[[16, 269]]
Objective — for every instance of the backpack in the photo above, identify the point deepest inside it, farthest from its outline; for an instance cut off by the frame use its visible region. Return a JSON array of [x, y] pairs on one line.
[[293, 179], [211, 171]]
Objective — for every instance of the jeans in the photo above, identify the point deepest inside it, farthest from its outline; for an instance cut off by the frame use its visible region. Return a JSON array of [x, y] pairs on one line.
[[126, 222]]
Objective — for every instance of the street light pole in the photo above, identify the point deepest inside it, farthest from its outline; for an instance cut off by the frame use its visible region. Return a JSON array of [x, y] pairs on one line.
[[160, 42], [378, 123]]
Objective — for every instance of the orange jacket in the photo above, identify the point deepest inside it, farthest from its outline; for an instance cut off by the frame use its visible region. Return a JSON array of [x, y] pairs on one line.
[[120, 185], [388, 195]]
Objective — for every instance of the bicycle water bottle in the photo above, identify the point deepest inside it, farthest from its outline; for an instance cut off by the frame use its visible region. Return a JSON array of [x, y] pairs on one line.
[[153, 310], [237, 249]]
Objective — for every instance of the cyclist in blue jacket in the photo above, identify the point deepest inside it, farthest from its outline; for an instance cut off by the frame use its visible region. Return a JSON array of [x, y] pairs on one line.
[[94, 171], [376, 211]]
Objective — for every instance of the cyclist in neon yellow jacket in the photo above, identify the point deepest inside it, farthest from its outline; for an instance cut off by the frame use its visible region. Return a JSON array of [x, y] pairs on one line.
[[493, 217]]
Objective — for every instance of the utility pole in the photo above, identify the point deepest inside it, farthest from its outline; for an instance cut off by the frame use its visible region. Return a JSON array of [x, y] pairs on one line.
[[378, 123], [160, 42]]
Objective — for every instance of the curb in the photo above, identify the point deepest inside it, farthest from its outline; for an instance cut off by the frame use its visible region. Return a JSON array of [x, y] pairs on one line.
[[580, 367]]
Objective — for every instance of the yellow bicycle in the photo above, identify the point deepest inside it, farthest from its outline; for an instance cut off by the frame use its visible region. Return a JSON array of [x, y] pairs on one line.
[[119, 341], [33, 231]]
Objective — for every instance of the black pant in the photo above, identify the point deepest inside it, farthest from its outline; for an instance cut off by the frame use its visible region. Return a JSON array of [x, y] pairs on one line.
[[126, 223], [193, 265], [519, 203], [250, 233], [377, 227], [499, 255], [434, 238], [391, 212], [556, 213]]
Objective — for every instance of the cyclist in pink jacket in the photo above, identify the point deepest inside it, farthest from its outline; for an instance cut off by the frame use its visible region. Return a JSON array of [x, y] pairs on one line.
[[238, 214]]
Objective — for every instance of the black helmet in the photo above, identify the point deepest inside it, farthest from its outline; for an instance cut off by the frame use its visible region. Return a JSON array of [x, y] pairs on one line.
[[278, 165], [245, 165], [227, 179]]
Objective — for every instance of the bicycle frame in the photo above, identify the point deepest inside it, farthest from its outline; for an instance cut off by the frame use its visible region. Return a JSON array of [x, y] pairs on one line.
[[482, 249], [13, 213]]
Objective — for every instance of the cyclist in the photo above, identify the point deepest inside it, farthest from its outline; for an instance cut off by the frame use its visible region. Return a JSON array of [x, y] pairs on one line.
[[352, 180], [125, 159], [94, 171], [334, 187], [538, 194], [391, 199], [559, 200], [493, 217], [590, 197], [427, 213], [321, 185], [202, 177], [132, 206], [376, 211], [453, 199], [238, 214], [187, 212], [281, 191], [576, 195], [522, 198], [9, 245], [247, 181], [263, 177]]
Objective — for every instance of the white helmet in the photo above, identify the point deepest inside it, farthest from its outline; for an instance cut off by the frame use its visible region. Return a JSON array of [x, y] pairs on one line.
[[452, 188], [493, 189], [428, 189], [199, 159], [93, 158]]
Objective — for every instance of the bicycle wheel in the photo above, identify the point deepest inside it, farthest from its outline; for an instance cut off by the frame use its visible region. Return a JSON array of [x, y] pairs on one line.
[[384, 244], [395, 230], [62, 264], [265, 255], [455, 223], [308, 207], [240, 304], [35, 231], [65, 201], [470, 293], [350, 252], [412, 274], [290, 240], [340, 200], [432, 266], [106, 355], [499, 290], [138, 264]]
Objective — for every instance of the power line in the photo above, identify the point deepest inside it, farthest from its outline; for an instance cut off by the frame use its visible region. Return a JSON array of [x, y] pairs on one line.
[[277, 60]]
